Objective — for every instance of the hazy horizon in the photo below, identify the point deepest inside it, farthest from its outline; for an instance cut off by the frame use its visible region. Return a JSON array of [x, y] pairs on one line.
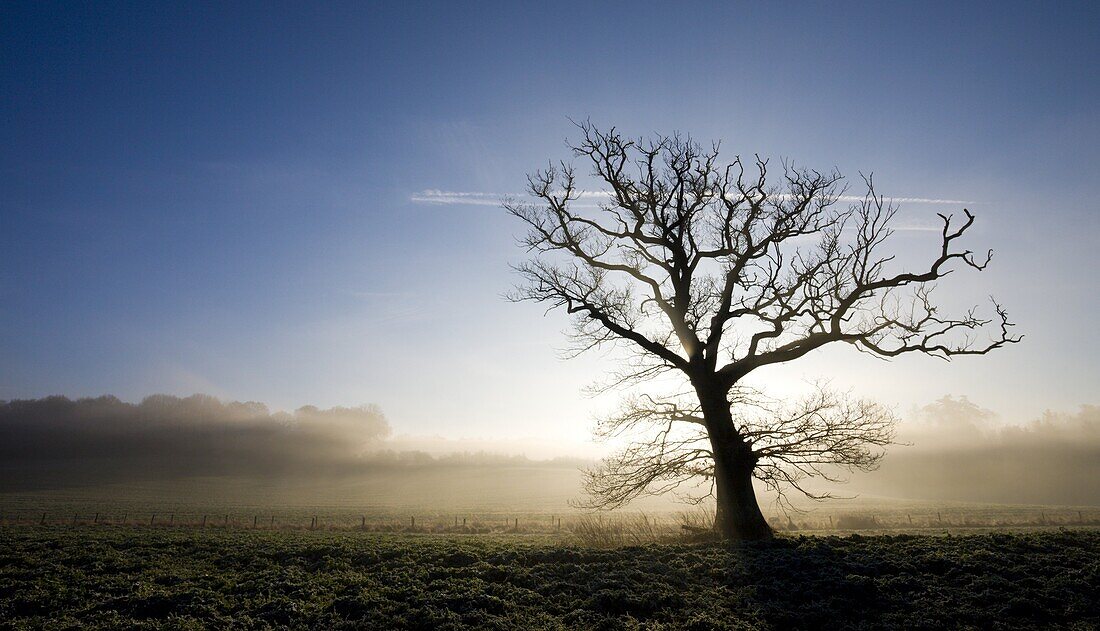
[[951, 449]]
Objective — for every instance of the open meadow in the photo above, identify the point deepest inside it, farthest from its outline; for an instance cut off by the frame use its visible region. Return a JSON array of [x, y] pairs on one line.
[[501, 548], [107, 577], [490, 499]]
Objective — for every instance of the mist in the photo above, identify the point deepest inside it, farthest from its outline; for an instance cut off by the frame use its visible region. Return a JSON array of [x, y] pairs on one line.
[[953, 449], [56, 442]]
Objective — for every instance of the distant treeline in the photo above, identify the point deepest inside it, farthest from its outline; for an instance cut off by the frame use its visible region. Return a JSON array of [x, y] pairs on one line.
[[57, 442]]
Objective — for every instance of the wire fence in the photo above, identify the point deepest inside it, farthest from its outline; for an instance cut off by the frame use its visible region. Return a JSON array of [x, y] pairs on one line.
[[286, 521], [535, 524]]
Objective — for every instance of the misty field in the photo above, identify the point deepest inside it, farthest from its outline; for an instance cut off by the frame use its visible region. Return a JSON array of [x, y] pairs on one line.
[[108, 577], [491, 499]]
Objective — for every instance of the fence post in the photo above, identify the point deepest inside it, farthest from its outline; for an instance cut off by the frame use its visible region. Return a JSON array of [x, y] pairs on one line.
[[413, 522], [96, 519], [204, 521], [255, 518], [516, 527], [152, 518], [363, 522], [830, 522], [227, 520], [910, 519]]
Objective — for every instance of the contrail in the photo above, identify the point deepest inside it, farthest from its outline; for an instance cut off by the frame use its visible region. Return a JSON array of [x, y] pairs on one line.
[[484, 198]]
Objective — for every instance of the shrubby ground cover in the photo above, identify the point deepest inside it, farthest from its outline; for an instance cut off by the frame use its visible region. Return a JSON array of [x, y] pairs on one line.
[[55, 577]]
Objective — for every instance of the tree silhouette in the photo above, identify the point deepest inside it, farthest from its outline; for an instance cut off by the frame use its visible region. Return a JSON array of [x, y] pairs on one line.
[[711, 271]]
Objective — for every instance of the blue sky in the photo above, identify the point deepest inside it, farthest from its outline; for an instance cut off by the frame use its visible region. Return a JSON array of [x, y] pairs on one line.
[[230, 199]]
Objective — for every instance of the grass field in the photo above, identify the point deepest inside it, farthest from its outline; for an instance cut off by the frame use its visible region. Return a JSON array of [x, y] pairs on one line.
[[486, 499], [113, 577]]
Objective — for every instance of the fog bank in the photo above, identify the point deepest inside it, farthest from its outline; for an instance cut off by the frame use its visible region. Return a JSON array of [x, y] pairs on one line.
[[955, 450], [57, 442], [958, 450]]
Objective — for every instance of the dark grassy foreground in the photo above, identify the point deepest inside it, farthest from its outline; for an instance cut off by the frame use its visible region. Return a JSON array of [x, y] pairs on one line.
[[184, 579]]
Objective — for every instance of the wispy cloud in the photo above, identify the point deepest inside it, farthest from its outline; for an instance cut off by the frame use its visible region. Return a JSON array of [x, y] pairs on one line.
[[912, 200], [484, 198], [435, 196]]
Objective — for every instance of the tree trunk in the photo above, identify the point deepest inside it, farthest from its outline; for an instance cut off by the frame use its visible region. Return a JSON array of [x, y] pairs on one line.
[[738, 515]]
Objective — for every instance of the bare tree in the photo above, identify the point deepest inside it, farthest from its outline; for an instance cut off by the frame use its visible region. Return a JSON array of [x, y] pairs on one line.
[[710, 271]]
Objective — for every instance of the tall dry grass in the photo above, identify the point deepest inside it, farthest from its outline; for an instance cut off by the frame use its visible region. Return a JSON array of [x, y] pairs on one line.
[[613, 531]]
